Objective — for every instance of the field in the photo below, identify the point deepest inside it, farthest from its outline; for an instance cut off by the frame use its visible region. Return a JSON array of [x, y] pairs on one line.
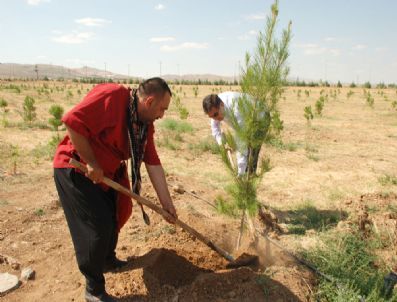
[[336, 173]]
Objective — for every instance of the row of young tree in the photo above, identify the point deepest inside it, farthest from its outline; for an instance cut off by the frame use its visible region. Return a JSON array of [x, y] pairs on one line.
[[29, 114], [219, 82]]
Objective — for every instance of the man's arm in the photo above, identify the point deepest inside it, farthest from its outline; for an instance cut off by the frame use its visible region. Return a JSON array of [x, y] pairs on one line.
[[216, 131], [157, 177], [83, 147], [242, 158]]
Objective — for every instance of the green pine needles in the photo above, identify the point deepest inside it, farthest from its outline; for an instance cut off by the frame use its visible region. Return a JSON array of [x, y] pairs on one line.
[[262, 80]]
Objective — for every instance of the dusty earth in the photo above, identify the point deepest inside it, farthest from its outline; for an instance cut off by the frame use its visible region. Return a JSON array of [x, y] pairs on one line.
[[335, 165]]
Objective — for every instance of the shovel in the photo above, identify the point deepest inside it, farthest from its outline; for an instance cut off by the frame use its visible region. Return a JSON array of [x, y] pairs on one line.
[[243, 260]]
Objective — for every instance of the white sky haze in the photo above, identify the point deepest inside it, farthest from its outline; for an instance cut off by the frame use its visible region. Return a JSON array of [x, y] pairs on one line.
[[350, 40]]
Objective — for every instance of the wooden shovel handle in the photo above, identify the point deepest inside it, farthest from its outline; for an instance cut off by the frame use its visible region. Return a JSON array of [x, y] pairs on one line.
[[157, 209], [230, 157]]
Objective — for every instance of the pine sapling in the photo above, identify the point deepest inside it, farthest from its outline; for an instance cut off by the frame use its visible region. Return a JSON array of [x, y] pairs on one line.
[[55, 121], [308, 114], [14, 157], [4, 111], [262, 80], [320, 105], [369, 99], [183, 112], [29, 110]]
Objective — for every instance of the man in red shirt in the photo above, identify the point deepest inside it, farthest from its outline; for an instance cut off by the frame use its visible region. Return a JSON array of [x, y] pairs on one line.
[[110, 125]]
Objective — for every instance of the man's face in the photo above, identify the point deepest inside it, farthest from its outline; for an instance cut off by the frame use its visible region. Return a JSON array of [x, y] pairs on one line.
[[217, 113], [154, 107]]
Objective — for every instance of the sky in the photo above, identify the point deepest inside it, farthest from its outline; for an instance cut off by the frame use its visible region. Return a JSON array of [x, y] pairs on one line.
[[339, 40]]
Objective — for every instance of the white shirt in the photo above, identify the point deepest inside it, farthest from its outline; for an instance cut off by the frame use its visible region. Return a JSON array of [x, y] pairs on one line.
[[229, 99]]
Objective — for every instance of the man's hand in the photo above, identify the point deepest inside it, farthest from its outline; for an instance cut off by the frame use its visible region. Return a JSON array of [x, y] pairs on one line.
[[83, 147], [95, 173], [170, 209], [157, 177]]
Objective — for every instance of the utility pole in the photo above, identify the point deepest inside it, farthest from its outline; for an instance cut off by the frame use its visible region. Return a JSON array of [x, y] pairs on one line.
[[105, 73], [36, 70]]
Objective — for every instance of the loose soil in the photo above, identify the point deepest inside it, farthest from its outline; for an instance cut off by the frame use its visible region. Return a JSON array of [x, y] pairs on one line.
[[336, 165]]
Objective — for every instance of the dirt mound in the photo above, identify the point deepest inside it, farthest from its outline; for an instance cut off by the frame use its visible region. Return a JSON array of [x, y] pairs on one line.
[[163, 275], [167, 267]]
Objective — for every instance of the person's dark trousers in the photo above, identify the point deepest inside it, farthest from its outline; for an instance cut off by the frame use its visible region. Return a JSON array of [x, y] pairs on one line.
[[255, 157], [91, 216]]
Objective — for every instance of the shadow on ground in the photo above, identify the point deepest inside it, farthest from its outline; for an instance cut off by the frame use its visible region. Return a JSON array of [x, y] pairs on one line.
[[168, 276]]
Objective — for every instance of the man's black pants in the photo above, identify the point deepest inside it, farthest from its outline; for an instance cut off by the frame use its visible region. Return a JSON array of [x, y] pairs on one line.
[[91, 216], [255, 157]]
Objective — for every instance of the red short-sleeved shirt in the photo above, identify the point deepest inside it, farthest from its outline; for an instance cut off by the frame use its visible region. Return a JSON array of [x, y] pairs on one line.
[[101, 117]]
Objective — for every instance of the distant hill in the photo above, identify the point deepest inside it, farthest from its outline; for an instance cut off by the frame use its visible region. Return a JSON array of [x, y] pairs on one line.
[[12, 70], [22, 71]]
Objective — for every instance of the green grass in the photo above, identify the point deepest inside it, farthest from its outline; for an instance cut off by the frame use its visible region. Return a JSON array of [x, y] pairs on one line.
[[313, 157], [205, 145], [372, 209], [306, 216], [311, 148], [46, 151], [167, 142], [176, 126], [336, 194], [39, 212], [392, 208], [279, 144], [351, 263], [4, 203], [386, 180]]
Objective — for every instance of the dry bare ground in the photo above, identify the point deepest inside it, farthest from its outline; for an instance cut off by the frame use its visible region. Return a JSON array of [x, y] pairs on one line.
[[341, 160]]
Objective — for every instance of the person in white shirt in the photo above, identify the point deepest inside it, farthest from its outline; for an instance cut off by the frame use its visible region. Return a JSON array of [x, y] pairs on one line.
[[219, 108]]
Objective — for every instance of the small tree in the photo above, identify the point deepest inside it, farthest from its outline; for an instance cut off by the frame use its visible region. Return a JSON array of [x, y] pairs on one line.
[[55, 121], [183, 112], [195, 91], [69, 95], [29, 110], [320, 105], [4, 109], [261, 83], [308, 114], [14, 157], [339, 85], [369, 99]]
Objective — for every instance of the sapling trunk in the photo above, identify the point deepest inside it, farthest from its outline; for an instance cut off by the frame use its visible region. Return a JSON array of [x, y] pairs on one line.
[[240, 234]]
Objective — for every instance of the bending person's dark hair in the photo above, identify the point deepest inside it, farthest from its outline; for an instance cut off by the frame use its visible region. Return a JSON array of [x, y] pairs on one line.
[[210, 101]]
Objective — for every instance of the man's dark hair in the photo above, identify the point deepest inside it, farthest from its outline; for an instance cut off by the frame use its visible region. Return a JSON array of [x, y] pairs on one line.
[[155, 86], [210, 101]]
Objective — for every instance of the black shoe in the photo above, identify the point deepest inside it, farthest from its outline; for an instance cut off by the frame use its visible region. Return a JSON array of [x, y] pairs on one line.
[[114, 264], [104, 297]]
